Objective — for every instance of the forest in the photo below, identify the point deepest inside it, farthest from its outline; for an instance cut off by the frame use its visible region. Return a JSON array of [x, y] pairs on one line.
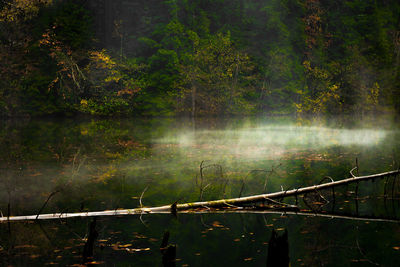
[[199, 132], [199, 57]]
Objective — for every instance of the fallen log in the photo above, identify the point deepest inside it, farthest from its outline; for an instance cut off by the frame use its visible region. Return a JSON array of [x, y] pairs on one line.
[[233, 202]]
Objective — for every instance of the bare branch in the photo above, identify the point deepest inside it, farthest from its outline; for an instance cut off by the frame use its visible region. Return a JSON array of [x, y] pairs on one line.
[[209, 204], [45, 203], [141, 196], [351, 172]]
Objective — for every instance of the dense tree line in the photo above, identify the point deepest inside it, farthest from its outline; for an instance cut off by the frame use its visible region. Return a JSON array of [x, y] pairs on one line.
[[201, 57]]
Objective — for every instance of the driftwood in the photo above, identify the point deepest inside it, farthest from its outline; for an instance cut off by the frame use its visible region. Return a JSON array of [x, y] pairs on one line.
[[233, 202]]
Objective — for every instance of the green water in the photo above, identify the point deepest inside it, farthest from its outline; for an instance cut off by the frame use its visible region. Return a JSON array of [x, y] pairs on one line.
[[101, 164]]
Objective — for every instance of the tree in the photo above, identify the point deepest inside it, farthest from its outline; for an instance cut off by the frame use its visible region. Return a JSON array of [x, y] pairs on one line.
[[16, 38], [216, 76], [114, 84]]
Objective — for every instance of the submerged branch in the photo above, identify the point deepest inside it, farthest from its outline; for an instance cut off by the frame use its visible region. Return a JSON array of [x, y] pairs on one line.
[[45, 203], [210, 204], [225, 211], [302, 213]]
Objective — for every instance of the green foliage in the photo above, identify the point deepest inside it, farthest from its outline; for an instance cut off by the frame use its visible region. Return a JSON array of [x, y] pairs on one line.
[[350, 46], [104, 106], [37, 99], [200, 57], [72, 24], [215, 75], [42, 55]]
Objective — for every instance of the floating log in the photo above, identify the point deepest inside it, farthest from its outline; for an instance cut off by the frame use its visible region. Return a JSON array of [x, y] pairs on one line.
[[233, 202]]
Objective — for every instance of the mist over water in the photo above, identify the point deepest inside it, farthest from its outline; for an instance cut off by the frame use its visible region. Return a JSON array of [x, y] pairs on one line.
[[109, 164], [251, 140], [134, 154]]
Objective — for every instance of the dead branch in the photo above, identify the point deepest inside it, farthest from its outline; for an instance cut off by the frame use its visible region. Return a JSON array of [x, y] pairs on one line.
[[141, 196], [210, 204], [200, 184], [45, 203], [268, 174], [351, 172], [260, 211], [362, 252], [254, 171]]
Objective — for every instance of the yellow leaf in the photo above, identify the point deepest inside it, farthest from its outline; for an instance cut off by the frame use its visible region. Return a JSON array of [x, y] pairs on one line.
[[125, 246], [217, 224]]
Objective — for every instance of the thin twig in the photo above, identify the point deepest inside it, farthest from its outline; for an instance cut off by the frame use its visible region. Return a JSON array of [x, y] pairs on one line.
[[141, 196], [233, 206], [202, 191], [277, 202], [45, 203], [142, 221], [362, 253], [351, 172], [326, 177], [248, 174], [212, 204], [358, 168]]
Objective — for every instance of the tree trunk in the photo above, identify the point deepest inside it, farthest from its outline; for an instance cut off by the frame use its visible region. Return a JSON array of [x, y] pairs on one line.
[[233, 202], [193, 101]]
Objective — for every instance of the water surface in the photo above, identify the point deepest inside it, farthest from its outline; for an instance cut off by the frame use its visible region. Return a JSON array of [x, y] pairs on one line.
[[99, 164]]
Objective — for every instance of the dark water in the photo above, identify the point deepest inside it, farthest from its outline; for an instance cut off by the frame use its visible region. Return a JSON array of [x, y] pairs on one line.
[[88, 165]]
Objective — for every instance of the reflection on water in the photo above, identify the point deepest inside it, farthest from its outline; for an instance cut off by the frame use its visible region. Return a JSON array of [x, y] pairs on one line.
[[207, 240], [81, 165]]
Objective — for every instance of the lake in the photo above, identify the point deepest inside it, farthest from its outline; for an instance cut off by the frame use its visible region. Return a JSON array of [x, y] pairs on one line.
[[87, 164]]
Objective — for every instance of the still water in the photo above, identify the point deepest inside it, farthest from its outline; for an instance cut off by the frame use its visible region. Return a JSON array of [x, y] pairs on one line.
[[83, 164]]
